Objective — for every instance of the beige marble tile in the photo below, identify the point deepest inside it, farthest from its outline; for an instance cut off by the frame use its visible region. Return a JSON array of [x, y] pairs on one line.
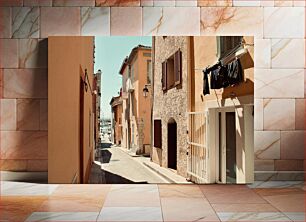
[[186, 3], [285, 199], [292, 144], [304, 83], [230, 194], [146, 2], [289, 165], [133, 196], [182, 191], [278, 19], [13, 165], [5, 3], [279, 3], [279, 83], [232, 21], [252, 216], [267, 3], [70, 204], [28, 114], [263, 165], [8, 114], [267, 145], [52, 16], [73, 2], [299, 3], [126, 20], [284, 49], [43, 115], [262, 53], [5, 22], [25, 83], [1, 83], [300, 114], [238, 3], [25, 22], [90, 191], [37, 165], [207, 3], [258, 115], [8, 53], [279, 114], [33, 53], [24, 145], [149, 214], [169, 20], [130, 3], [37, 2], [18, 208], [162, 3], [264, 207], [195, 209], [95, 21]]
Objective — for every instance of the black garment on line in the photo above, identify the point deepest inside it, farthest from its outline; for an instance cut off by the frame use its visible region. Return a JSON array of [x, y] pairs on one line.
[[218, 78], [205, 82], [235, 73]]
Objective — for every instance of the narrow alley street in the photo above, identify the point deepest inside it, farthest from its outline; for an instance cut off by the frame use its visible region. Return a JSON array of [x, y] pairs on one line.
[[115, 166]]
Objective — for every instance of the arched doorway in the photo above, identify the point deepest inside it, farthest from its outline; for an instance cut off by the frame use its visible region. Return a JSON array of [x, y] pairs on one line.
[[172, 144]]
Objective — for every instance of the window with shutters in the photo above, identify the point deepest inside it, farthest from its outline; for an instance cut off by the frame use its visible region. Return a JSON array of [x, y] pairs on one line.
[[157, 134], [227, 44], [172, 71]]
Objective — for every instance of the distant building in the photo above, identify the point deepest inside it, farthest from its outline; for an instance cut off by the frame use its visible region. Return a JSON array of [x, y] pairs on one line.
[[136, 117], [116, 104], [97, 105]]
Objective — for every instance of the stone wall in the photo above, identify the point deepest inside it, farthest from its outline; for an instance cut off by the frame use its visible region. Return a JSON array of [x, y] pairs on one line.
[[171, 104]]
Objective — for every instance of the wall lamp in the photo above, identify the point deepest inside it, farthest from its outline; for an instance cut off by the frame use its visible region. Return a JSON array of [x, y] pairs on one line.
[[145, 90], [87, 83]]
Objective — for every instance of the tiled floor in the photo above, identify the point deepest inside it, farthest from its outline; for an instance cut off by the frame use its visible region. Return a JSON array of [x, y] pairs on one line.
[[140, 202]]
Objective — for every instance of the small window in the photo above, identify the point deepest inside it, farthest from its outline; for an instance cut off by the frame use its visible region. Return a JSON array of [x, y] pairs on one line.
[[157, 134], [172, 71], [149, 71], [147, 54], [226, 44]]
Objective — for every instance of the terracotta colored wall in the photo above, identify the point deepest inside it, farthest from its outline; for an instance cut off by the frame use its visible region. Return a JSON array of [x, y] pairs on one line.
[[144, 104], [64, 107]]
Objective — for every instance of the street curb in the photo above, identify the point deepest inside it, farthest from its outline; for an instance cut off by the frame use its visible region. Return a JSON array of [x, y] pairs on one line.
[[159, 173]]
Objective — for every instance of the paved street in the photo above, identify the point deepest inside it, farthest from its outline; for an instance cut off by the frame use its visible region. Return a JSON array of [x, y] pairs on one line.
[[120, 167]]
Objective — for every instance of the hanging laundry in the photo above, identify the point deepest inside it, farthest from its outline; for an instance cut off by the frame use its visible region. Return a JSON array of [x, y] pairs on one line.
[[218, 77], [235, 73], [205, 82]]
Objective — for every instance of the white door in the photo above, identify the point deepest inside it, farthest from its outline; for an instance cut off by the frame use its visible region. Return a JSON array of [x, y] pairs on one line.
[[233, 146]]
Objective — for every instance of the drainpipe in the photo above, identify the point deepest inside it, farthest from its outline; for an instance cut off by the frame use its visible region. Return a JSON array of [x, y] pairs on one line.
[[152, 95]]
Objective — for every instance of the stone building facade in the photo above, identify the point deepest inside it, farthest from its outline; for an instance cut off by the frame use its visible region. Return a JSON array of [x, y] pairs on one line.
[[172, 104]]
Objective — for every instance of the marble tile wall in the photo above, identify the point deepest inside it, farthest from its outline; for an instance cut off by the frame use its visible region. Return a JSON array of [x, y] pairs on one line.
[[277, 25]]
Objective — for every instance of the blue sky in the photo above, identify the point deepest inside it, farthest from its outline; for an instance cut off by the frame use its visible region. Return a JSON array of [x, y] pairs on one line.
[[110, 52]]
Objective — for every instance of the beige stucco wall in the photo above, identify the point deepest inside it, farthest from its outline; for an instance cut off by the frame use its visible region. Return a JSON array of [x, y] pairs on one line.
[[139, 108]]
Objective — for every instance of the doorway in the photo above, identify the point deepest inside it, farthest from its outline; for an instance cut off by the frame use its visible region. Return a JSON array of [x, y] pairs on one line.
[[234, 144], [227, 146], [172, 144]]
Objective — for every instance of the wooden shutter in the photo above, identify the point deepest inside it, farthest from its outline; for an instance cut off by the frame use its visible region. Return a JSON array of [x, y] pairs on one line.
[[157, 134], [164, 75], [177, 67]]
